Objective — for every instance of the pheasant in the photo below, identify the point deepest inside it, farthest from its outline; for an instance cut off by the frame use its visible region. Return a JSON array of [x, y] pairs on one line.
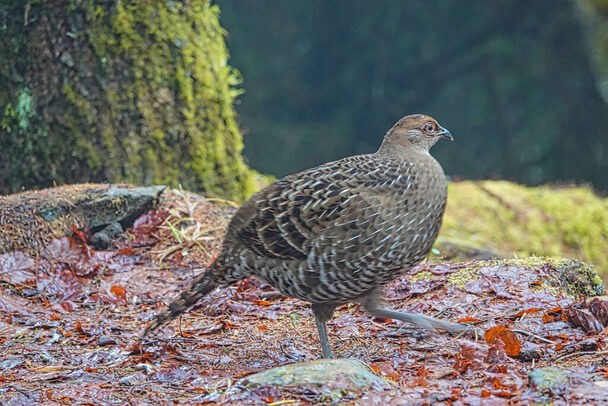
[[339, 232]]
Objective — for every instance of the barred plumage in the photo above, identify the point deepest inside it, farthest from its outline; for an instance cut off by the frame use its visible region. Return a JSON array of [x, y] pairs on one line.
[[337, 232]]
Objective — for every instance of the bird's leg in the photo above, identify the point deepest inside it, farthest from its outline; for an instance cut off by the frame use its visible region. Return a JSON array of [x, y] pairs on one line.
[[373, 305], [321, 327], [323, 313]]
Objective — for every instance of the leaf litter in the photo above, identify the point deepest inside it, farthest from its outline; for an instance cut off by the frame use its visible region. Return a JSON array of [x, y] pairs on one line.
[[71, 318]]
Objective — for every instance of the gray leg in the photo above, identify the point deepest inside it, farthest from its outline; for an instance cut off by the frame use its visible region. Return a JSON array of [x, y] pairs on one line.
[[322, 314], [372, 305]]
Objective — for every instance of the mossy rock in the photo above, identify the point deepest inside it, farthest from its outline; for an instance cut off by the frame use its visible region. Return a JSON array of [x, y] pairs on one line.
[[113, 91], [504, 219], [446, 250], [560, 275], [30, 220], [319, 372]]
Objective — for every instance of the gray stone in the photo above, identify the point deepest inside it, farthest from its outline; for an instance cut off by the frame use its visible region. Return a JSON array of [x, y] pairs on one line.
[[548, 382], [319, 372]]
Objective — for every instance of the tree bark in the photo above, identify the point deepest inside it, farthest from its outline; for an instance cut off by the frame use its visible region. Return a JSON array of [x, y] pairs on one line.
[[113, 91]]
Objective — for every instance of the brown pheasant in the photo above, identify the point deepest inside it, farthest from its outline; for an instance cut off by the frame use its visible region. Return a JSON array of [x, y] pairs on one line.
[[338, 232]]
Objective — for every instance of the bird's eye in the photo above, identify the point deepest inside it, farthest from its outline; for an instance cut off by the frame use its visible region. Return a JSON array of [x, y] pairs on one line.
[[429, 127]]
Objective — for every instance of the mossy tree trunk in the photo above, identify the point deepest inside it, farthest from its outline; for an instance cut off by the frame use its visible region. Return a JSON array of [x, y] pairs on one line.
[[135, 91]]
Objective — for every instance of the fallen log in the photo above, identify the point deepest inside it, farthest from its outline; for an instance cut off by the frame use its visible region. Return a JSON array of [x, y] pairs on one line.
[[30, 220]]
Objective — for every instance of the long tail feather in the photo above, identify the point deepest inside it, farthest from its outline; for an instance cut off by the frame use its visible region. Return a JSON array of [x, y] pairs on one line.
[[201, 286]]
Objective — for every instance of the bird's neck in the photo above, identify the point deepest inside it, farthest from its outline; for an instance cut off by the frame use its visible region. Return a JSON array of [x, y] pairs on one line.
[[391, 149]]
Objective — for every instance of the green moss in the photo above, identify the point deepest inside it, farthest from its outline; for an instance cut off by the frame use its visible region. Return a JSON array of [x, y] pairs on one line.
[[146, 95], [424, 275], [24, 109], [17, 118], [511, 219]]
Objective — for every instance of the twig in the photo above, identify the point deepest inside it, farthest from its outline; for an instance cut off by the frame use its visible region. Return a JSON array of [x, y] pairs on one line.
[[187, 359], [282, 347], [576, 354], [218, 200], [282, 402], [23, 392], [531, 334]]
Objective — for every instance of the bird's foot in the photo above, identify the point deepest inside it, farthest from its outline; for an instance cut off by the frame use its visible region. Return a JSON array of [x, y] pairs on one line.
[[425, 322]]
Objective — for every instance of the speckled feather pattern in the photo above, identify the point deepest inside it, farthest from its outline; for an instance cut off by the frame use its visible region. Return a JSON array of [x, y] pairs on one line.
[[337, 231]]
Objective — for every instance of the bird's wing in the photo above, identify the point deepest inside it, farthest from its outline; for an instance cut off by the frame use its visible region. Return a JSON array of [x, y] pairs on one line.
[[283, 220]]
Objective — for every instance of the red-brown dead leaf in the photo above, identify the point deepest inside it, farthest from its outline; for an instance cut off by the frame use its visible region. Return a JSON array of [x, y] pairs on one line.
[[499, 385], [113, 294], [509, 339], [136, 349], [584, 319], [119, 292], [536, 283], [170, 348], [555, 314], [505, 394], [145, 228], [262, 302], [421, 377], [470, 358], [600, 309], [423, 371], [186, 333], [126, 251], [78, 328], [590, 316], [468, 320], [83, 239], [228, 324], [527, 311]]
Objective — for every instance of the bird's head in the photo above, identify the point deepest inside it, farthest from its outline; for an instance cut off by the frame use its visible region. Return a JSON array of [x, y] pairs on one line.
[[414, 132]]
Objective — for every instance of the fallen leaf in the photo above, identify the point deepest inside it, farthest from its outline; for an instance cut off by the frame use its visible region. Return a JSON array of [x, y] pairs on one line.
[[52, 368], [468, 320], [584, 319], [509, 339], [526, 311]]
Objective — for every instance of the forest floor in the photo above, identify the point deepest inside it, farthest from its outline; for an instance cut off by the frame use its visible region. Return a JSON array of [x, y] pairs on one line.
[[71, 318]]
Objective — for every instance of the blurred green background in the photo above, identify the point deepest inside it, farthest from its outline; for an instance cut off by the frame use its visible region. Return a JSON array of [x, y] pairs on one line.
[[517, 82], [158, 91]]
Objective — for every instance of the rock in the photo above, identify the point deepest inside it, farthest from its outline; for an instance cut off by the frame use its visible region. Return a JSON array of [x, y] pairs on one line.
[[458, 251], [105, 340], [147, 368], [32, 219], [134, 379], [548, 382], [102, 239], [319, 372]]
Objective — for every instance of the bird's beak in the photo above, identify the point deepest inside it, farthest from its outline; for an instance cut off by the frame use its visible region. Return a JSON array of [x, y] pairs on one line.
[[444, 133]]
